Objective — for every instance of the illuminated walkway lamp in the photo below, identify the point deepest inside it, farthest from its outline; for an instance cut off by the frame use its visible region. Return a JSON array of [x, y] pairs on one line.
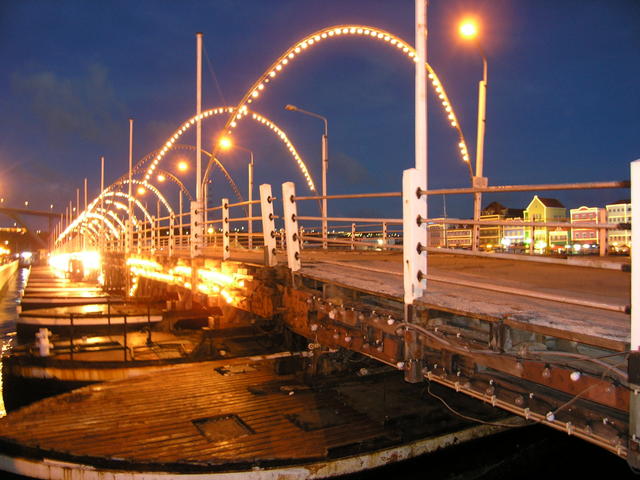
[[469, 31]]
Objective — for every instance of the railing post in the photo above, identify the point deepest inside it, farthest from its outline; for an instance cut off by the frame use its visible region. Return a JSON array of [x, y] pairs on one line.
[[225, 229], [384, 235], [353, 236], [414, 215], [300, 234], [633, 368], [603, 233], [268, 225], [291, 225], [197, 229], [172, 221]]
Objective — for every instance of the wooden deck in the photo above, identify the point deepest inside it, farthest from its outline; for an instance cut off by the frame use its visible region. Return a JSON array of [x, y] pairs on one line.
[[492, 289], [231, 416]]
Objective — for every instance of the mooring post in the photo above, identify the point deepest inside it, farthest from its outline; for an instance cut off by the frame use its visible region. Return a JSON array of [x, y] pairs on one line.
[[268, 225], [291, 225], [633, 367], [225, 229]]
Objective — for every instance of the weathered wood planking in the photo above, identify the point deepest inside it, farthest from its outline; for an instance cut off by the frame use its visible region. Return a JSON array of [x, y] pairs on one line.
[[150, 419], [599, 327], [155, 419]]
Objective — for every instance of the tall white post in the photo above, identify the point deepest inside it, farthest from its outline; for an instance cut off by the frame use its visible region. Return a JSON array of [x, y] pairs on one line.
[[325, 167], [635, 256], [129, 239], [199, 119], [268, 225], [250, 222], [102, 226], [421, 88], [291, 225], [414, 206], [225, 229], [478, 180]]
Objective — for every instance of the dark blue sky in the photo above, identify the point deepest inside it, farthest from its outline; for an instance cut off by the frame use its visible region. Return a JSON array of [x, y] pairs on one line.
[[563, 95]]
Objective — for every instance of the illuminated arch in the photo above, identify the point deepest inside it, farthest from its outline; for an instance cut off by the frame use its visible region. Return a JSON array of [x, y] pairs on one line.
[[260, 119], [177, 181], [151, 187], [289, 55], [80, 221], [180, 146], [112, 214], [137, 203], [121, 206]]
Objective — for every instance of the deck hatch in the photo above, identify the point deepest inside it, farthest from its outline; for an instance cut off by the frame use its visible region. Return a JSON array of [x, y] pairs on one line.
[[222, 428], [234, 369], [318, 418]]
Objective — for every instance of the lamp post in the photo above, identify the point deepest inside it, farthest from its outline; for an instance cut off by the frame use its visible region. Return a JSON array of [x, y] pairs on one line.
[[469, 30], [325, 166], [226, 144]]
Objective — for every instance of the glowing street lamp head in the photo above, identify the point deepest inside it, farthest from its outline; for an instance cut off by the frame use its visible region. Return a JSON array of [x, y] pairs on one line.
[[161, 178], [290, 107], [141, 190], [225, 143], [183, 166], [468, 29]]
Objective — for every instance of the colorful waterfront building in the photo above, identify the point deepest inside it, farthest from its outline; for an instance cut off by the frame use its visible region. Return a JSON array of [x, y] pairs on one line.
[[619, 239], [542, 209]]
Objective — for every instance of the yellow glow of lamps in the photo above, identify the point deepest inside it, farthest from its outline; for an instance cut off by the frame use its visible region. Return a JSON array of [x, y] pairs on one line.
[[225, 143], [141, 191], [161, 178], [183, 166], [468, 29]]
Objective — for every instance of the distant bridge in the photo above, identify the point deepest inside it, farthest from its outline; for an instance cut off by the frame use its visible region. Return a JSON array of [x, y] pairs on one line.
[[18, 214]]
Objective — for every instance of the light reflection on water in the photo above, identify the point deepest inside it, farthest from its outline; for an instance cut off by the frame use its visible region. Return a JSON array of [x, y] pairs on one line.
[[9, 298]]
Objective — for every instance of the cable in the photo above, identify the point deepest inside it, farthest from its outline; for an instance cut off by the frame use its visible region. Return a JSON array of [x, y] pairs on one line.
[[472, 419], [213, 74]]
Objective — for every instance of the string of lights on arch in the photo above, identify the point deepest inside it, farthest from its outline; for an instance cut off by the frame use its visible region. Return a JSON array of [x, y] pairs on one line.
[[244, 111], [287, 58]]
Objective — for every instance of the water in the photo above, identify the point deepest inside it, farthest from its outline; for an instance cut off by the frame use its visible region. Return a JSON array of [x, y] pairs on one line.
[[526, 453], [9, 298]]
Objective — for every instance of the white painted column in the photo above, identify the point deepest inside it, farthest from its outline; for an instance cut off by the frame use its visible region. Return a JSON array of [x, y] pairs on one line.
[[268, 225], [225, 229], [635, 258], [291, 225]]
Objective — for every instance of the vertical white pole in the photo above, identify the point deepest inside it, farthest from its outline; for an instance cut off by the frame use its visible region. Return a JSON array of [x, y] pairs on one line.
[[353, 236], [325, 167], [84, 240], [129, 240], [102, 203], [421, 88], [414, 207], [180, 220], [199, 119], [291, 225], [225, 229], [250, 222], [268, 225], [635, 259]]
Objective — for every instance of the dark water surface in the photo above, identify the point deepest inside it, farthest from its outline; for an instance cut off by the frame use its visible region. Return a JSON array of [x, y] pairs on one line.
[[536, 452]]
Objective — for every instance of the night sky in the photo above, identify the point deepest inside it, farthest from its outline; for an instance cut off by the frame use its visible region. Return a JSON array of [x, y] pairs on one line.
[[563, 96]]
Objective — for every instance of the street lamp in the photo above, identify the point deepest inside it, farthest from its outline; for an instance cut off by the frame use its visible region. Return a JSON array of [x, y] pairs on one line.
[[183, 166], [225, 143], [325, 165], [469, 31]]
